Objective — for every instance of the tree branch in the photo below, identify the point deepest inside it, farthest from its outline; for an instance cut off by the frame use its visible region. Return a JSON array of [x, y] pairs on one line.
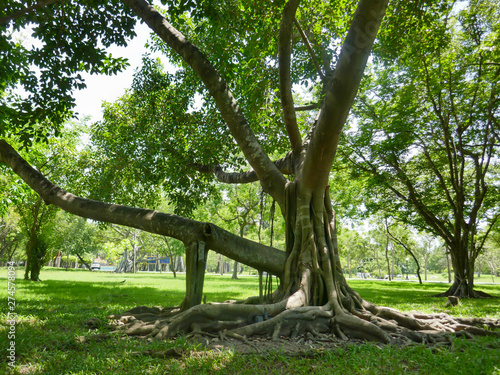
[[245, 251], [411, 198], [284, 165], [308, 107], [408, 250], [284, 52], [324, 56], [309, 49], [341, 90], [270, 177], [22, 12]]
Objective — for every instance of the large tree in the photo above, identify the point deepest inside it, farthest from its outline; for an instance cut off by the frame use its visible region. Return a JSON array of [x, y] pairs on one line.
[[428, 137], [313, 295]]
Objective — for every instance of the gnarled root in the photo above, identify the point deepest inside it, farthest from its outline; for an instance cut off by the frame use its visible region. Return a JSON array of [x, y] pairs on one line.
[[371, 323]]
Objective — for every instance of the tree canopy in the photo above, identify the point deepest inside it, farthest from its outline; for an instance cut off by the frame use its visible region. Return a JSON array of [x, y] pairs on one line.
[[426, 136]]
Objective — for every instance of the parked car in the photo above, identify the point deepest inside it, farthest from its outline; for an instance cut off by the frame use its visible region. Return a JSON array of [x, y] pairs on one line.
[[95, 266], [362, 275]]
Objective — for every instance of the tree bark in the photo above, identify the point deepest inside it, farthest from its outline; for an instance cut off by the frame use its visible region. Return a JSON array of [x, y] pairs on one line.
[[196, 261]]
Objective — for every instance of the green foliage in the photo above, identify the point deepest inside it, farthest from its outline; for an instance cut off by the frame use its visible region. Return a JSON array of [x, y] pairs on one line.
[[75, 235], [425, 135], [66, 38], [52, 337], [153, 140]]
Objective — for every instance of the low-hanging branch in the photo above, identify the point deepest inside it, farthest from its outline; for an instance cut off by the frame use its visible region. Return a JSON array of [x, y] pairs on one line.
[[183, 229], [27, 10]]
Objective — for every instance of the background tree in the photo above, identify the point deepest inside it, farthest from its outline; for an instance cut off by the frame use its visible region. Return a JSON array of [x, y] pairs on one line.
[[56, 159], [11, 236], [76, 237], [241, 210], [427, 134]]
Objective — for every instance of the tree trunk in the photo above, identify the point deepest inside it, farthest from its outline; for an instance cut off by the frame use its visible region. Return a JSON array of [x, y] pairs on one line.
[[463, 267], [196, 261], [180, 264], [349, 264], [83, 261], [173, 266], [35, 252], [378, 265], [387, 259], [235, 270], [426, 259]]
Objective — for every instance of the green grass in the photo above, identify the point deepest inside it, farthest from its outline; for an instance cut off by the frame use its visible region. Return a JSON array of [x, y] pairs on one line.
[[52, 315]]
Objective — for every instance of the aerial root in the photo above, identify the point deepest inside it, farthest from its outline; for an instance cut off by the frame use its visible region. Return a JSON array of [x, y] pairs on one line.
[[274, 321]]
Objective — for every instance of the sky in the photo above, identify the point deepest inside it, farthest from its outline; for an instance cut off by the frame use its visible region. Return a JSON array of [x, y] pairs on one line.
[[109, 88]]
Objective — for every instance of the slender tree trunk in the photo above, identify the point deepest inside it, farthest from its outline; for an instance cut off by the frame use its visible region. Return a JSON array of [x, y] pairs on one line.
[[378, 265], [349, 264], [387, 259], [173, 266], [393, 261], [426, 260], [235, 270], [83, 261], [463, 267]]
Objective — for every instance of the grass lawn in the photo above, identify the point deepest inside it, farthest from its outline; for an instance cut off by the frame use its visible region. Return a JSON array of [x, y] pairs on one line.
[[51, 336]]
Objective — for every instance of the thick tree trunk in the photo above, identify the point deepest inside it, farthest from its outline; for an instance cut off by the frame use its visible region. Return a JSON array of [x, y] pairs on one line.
[[35, 252], [463, 270]]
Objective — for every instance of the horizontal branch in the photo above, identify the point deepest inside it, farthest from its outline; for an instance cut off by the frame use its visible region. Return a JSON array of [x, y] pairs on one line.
[[22, 12], [248, 252], [308, 107], [284, 165]]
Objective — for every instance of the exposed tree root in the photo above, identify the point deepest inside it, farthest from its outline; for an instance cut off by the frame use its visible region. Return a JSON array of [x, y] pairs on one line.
[[463, 289], [313, 299], [274, 321]]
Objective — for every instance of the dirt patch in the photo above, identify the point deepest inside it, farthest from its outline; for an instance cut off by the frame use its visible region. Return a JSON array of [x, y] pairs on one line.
[[304, 346]]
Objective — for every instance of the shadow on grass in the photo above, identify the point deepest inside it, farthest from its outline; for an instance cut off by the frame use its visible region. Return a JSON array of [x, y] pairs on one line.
[[54, 312], [409, 296]]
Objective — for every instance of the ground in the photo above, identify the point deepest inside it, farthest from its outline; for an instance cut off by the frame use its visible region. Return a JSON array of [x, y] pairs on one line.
[[54, 335]]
